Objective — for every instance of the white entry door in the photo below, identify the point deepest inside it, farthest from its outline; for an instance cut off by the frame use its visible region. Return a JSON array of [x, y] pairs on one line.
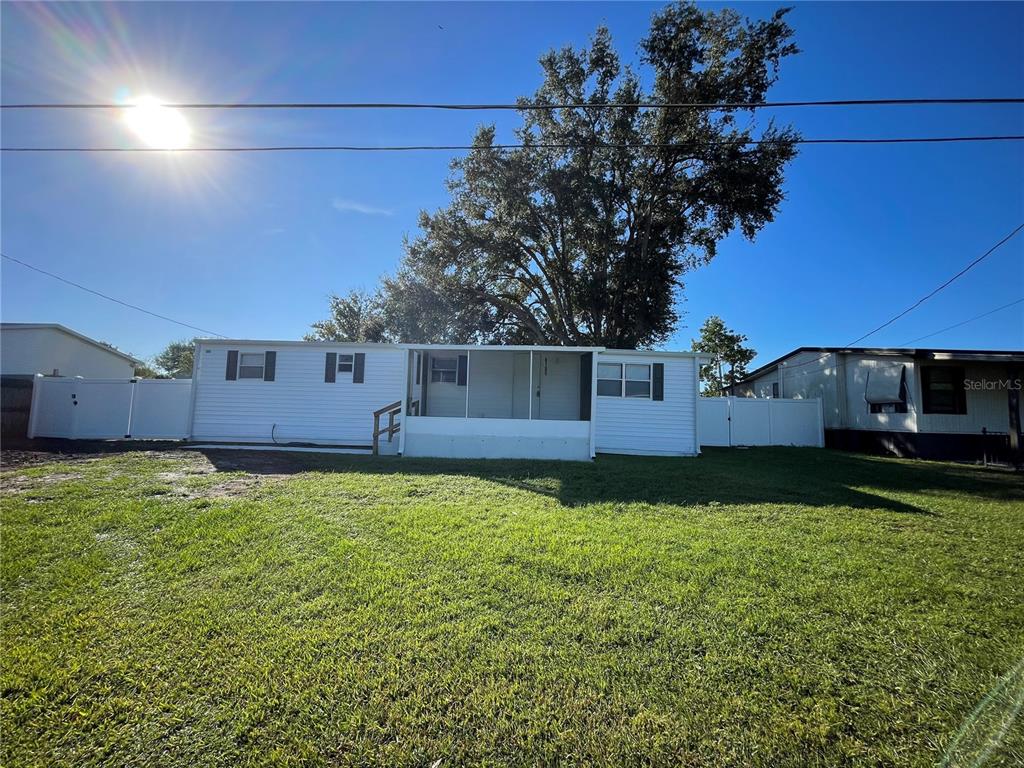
[[558, 386], [521, 385]]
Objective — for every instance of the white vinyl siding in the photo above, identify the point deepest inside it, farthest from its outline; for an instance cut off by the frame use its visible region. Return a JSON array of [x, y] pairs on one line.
[[303, 407], [642, 425]]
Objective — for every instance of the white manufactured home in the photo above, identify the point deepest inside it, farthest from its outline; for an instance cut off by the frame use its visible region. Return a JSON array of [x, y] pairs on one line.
[[446, 400], [917, 403]]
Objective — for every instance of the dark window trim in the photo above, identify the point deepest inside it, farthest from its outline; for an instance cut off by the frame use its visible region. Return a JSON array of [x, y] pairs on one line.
[[928, 405]]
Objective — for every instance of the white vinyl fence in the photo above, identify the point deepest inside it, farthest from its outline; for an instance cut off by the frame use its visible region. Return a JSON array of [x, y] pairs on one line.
[[727, 421], [96, 409]]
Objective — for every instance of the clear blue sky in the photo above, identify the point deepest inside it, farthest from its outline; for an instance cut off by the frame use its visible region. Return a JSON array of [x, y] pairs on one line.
[[250, 245]]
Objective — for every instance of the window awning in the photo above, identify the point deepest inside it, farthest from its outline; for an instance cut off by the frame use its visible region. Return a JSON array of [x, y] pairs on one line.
[[885, 385]]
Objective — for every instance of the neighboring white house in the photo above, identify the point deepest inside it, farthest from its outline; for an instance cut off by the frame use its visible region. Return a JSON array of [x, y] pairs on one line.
[[450, 400], [53, 350], [927, 403]]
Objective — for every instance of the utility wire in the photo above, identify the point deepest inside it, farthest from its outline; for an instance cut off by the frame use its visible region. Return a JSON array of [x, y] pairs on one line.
[[964, 322], [545, 145], [923, 299], [902, 345], [532, 106], [108, 298]]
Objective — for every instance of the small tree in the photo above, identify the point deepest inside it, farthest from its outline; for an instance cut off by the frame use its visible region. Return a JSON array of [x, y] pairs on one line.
[[727, 350], [177, 358], [145, 371]]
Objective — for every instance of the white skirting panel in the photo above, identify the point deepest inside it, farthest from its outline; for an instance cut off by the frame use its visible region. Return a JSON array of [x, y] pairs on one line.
[[461, 438]]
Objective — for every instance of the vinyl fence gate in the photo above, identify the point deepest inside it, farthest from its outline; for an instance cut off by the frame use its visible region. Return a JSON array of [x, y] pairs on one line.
[[103, 409], [747, 421]]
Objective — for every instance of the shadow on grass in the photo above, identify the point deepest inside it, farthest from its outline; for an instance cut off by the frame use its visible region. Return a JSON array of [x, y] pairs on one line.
[[798, 476]]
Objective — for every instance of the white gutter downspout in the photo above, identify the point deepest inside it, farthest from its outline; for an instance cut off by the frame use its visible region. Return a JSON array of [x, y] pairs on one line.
[[468, 352], [530, 418], [593, 403], [697, 360], [405, 403]]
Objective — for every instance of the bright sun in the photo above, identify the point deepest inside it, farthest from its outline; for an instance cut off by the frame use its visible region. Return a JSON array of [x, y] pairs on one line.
[[158, 126]]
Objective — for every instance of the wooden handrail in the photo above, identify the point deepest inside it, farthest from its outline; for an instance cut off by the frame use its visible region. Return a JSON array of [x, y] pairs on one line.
[[386, 408], [392, 410]]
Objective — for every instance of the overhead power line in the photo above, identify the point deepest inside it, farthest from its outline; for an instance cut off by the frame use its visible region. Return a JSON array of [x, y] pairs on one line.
[[533, 106], [923, 299], [903, 344], [964, 322], [109, 298], [542, 145]]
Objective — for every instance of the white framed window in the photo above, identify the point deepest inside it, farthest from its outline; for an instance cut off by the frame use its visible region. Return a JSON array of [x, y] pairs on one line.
[[624, 380], [444, 370], [346, 363], [638, 380], [609, 379], [251, 365]]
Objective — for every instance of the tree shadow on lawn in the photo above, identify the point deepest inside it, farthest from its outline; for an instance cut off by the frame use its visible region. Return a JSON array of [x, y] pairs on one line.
[[797, 476]]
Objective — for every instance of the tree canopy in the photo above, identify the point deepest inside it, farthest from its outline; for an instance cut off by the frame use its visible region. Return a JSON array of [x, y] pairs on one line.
[[176, 358], [584, 234], [726, 348]]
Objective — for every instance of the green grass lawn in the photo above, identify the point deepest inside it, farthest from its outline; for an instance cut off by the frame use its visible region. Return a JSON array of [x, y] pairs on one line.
[[761, 607]]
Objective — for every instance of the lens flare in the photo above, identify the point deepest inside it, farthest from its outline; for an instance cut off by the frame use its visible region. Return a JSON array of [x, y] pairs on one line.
[[157, 125]]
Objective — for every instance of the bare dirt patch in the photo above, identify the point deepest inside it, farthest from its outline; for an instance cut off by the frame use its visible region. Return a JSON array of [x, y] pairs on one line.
[[189, 474], [231, 488], [32, 453], [21, 483]]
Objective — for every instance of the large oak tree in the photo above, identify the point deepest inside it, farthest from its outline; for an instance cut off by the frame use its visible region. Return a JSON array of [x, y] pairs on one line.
[[584, 234]]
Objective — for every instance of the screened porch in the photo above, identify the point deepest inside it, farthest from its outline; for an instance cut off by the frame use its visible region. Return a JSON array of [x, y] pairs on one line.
[[499, 402]]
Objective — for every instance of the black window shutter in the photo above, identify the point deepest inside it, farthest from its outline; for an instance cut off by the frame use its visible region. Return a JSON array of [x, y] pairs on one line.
[[463, 374], [269, 366], [419, 367], [586, 374], [658, 383], [232, 370], [358, 368], [331, 367]]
